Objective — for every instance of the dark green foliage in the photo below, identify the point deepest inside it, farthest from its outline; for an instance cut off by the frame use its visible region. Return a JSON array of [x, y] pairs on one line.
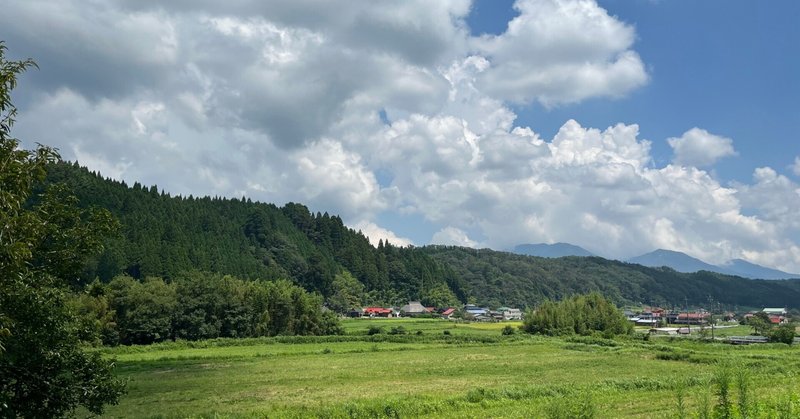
[[499, 278], [582, 314], [397, 330], [144, 310], [44, 239], [782, 334], [164, 236], [760, 323], [374, 330], [199, 305], [348, 294], [508, 331]]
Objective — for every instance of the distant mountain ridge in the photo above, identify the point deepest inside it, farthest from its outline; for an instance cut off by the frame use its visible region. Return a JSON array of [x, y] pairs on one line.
[[682, 262], [751, 270], [555, 250]]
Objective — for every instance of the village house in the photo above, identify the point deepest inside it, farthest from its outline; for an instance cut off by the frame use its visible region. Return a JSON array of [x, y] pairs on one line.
[[447, 313], [646, 317], [475, 310], [377, 312], [777, 315], [700, 317], [509, 313], [413, 308]]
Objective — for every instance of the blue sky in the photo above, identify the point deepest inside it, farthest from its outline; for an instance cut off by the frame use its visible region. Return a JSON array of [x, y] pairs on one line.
[[619, 126], [730, 66]]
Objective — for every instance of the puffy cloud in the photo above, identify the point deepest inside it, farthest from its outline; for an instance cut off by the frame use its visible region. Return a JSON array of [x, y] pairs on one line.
[[698, 147], [327, 173], [376, 233], [280, 101], [775, 197], [561, 52], [454, 237], [796, 166]]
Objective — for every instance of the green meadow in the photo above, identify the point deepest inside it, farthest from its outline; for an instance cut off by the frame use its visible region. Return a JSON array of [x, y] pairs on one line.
[[436, 368]]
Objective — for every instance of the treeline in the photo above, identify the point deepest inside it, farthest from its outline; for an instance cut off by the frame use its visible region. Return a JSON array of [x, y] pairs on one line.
[[197, 305], [501, 278], [580, 314], [163, 235]]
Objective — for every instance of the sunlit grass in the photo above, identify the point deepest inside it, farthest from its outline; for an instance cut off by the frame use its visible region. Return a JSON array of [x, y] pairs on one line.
[[432, 375]]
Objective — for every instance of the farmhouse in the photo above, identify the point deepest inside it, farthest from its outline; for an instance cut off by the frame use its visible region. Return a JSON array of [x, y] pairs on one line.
[[377, 312], [509, 313], [447, 313], [777, 315], [475, 310], [413, 308], [693, 318]]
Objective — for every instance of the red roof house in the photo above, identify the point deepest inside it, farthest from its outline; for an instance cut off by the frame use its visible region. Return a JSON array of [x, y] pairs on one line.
[[377, 312]]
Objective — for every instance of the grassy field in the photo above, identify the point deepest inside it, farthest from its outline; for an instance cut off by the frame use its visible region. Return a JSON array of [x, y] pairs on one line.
[[441, 369]]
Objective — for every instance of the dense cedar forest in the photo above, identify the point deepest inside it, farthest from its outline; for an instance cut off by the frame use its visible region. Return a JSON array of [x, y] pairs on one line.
[[165, 236]]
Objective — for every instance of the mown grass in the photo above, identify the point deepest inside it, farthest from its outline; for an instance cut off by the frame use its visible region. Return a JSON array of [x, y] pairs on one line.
[[472, 372]]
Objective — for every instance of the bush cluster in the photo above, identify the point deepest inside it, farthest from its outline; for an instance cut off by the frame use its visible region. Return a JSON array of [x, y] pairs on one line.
[[199, 305], [581, 314]]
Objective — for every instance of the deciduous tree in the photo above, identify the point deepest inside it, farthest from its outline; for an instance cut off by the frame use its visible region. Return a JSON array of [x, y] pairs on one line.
[[43, 370]]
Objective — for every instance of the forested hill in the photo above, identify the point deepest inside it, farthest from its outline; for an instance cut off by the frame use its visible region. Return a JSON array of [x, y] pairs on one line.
[[162, 235], [501, 278]]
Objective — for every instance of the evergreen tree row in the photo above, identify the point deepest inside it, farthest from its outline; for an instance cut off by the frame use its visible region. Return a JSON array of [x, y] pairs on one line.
[[164, 236]]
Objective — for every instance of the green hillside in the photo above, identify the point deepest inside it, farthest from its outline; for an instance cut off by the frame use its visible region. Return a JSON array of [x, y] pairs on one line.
[[163, 235], [502, 278]]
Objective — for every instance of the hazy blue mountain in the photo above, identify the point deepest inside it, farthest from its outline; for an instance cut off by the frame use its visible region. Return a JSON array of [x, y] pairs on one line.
[[681, 262], [555, 250], [751, 270]]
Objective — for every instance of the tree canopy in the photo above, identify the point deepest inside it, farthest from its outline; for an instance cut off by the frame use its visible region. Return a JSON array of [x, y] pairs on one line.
[[43, 370]]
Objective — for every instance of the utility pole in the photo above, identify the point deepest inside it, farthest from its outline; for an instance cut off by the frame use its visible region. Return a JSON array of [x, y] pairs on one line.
[[686, 304], [712, 323]]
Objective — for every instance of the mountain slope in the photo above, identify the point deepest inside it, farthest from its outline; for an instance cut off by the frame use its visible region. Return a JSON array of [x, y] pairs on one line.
[[504, 278], [681, 262], [555, 250], [751, 270], [163, 235]]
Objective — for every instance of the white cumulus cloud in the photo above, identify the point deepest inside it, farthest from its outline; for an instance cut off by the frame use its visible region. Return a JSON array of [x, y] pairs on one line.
[[454, 237], [280, 101], [375, 233], [700, 148]]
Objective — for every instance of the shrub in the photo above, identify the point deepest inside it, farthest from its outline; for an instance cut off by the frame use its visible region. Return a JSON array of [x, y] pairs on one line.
[[397, 330], [374, 330], [782, 334], [508, 330], [581, 314]]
